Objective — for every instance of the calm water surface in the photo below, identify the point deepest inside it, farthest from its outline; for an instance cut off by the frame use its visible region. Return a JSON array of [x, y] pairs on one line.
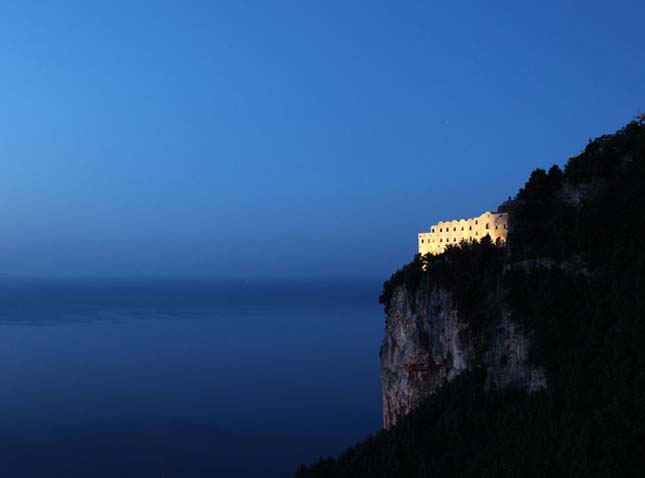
[[184, 378]]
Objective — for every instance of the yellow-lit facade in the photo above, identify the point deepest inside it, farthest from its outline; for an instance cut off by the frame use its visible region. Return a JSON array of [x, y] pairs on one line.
[[445, 233]]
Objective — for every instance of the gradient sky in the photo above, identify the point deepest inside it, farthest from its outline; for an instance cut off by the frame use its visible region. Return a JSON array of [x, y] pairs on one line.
[[296, 138]]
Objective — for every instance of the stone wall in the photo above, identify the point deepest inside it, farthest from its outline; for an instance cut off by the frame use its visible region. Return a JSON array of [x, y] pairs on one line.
[[445, 233]]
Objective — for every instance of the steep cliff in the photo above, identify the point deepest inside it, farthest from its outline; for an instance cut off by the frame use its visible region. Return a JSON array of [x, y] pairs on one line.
[[526, 360], [428, 343]]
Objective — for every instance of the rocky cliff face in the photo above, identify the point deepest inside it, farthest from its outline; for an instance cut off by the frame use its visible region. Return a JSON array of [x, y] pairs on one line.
[[428, 343]]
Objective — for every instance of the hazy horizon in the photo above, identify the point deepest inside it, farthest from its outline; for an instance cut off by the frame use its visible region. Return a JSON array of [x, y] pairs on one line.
[[287, 140]]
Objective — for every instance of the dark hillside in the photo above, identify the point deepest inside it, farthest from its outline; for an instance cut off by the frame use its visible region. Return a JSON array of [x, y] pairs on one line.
[[573, 276]]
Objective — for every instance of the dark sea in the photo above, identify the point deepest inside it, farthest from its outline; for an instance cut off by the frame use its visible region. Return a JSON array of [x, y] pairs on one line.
[[185, 378]]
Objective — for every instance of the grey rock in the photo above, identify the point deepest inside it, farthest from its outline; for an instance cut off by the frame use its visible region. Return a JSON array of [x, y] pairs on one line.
[[427, 344]]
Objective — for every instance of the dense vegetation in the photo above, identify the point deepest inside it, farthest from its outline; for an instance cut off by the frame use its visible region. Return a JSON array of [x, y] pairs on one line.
[[573, 274], [470, 271]]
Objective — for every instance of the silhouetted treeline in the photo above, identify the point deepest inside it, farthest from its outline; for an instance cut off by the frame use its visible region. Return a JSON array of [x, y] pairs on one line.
[[573, 276]]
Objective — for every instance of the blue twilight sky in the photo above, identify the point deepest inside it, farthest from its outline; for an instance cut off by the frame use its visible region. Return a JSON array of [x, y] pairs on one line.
[[288, 138]]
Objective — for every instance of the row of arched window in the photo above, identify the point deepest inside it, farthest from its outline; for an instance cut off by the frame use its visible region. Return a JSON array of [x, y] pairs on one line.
[[470, 228], [454, 239]]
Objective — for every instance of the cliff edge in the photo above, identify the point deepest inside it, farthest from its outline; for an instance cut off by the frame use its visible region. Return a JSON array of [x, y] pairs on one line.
[[429, 341]]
